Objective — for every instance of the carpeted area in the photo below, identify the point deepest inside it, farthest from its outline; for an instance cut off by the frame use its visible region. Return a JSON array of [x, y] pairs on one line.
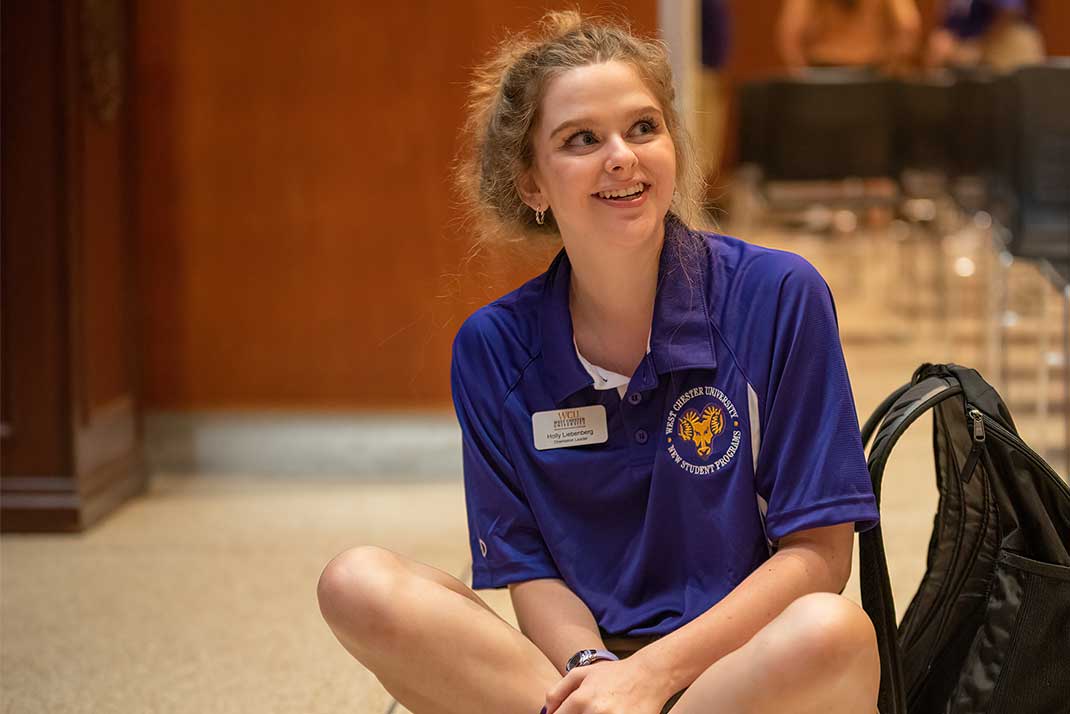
[[201, 597]]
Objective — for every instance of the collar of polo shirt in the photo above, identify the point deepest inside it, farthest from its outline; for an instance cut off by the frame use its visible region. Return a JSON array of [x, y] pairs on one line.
[[681, 334], [605, 378]]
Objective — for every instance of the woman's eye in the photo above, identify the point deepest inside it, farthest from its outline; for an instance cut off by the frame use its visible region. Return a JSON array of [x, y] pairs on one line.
[[645, 127], [582, 138]]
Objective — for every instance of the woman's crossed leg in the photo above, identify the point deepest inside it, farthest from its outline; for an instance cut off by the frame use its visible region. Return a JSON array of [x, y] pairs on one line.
[[439, 649], [429, 639]]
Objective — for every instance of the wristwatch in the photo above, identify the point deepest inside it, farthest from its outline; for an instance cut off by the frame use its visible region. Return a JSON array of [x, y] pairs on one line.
[[585, 657]]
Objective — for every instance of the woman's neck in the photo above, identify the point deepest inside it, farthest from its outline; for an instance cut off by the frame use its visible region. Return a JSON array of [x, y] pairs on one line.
[[611, 298]]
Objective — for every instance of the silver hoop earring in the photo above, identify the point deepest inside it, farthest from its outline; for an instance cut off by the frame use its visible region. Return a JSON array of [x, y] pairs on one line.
[[540, 216]]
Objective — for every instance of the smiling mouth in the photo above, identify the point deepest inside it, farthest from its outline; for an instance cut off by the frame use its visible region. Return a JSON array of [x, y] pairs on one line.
[[630, 193]]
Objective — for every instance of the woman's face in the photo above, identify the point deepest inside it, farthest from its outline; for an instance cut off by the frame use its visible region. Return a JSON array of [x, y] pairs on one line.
[[603, 159]]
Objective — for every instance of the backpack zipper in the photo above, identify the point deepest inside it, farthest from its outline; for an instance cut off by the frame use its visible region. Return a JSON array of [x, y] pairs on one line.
[[978, 425], [978, 445], [946, 589]]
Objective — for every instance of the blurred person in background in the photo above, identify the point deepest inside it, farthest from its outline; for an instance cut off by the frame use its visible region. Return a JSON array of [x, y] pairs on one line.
[[995, 33], [662, 459], [874, 34], [712, 106]]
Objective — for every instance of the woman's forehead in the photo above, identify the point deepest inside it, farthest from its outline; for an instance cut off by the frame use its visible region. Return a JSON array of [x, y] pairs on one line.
[[597, 92]]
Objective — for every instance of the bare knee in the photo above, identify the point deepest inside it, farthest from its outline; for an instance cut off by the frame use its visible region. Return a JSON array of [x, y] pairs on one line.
[[831, 627], [355, 589], [828, 631]]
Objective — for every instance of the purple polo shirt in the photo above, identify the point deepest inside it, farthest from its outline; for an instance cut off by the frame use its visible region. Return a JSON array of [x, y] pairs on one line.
[[737, 429]]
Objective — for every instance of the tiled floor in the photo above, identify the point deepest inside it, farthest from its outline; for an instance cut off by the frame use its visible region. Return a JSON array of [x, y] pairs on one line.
[[200, 596]]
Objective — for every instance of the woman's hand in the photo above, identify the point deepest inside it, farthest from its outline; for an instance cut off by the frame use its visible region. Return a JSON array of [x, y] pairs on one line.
[[605, 687]]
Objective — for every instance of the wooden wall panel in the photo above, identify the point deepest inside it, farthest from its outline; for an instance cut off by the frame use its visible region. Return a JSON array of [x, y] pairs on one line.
[[107, 372], [297, 228], [1053, 18], [70, 413], [34, 320]]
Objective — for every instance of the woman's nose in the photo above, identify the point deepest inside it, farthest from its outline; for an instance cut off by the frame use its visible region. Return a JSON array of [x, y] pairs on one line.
[[621, 158]]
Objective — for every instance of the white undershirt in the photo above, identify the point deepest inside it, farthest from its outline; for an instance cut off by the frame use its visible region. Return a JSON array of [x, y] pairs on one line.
[[604, 378]]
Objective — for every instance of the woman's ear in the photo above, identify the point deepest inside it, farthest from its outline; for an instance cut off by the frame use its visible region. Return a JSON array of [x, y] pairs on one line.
[[529, 190]]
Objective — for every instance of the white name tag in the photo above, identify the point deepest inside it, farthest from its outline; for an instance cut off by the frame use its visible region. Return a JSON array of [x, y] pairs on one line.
[[570, 427]]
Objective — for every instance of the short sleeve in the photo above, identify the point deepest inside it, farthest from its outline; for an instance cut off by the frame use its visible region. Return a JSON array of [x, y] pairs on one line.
[[811, 466], [504, 537]]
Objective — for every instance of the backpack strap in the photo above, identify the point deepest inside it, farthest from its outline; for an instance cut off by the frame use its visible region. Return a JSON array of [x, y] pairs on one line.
[[896, 414], [911, 404], [878, 414]]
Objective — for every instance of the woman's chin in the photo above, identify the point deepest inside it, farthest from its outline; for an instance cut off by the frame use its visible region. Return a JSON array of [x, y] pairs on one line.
[[637, 230]]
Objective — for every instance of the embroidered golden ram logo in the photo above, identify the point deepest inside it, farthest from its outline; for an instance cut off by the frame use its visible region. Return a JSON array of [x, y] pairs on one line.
[[701, 430]]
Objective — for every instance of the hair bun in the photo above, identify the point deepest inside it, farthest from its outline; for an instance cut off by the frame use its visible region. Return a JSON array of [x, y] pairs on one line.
[[556, 23]]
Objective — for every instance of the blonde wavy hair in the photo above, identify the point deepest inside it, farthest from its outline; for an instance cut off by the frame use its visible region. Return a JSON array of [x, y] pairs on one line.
[[505, 93]]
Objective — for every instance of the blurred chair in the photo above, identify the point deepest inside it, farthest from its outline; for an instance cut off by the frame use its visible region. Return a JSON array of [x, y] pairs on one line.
[[924, 130], [816, 148], [971, 138], [830, 124], [1054, 365], [1032, 203], [1033, 140], [753, 117], [922, 151], [1033, 321]]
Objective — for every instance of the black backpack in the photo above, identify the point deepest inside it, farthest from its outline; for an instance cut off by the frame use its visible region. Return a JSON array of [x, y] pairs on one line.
[[989, 628]]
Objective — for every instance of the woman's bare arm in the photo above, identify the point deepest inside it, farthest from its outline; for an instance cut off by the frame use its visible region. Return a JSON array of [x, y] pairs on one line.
[[555, 619]]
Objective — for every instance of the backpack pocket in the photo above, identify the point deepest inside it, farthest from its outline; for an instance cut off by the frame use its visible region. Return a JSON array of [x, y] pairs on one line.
[[1019, 657]]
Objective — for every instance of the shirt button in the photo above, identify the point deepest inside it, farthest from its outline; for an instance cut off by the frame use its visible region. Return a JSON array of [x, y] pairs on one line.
[[634, 398], [641, 436]]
